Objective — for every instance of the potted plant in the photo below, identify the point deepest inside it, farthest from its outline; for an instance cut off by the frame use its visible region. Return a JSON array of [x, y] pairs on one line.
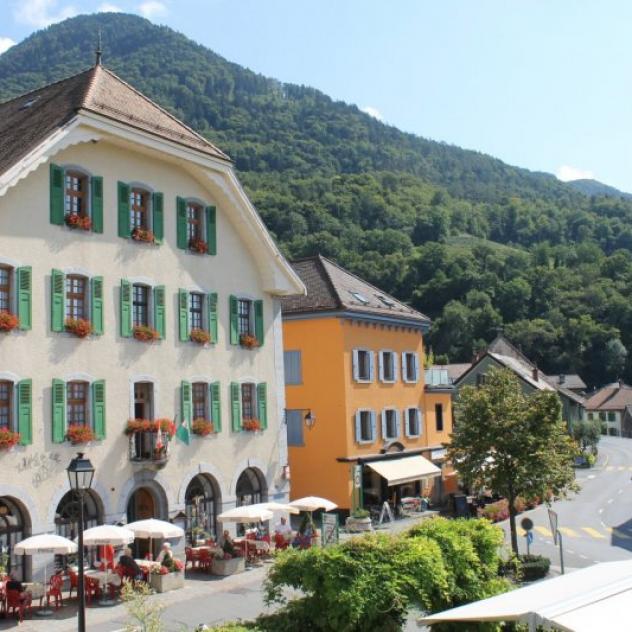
[[359, 520], [202, 427], [143, 234], [200, 336], [74, 220], [8, 438], [8, 321], [248, 341], [165, 578], [148, 425], [80, 327], [227, 564], [198, 245], [79, 433], [145, 333], [251, 425]]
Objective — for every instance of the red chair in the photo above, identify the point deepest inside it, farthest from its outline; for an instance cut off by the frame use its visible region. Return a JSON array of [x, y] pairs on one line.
[[280, 542], [56, 584], [190, 556], [74, 583], [91, 586], [205, 560], [17, 604]]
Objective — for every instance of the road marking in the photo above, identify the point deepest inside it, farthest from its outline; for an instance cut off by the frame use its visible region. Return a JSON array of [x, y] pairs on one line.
[[594, 533], [591, 476], [610, 468], [620, 491], [570, 551], [584, 557], [622, 468], [568, 531], [610, 500], [601, 511], [543, 531]]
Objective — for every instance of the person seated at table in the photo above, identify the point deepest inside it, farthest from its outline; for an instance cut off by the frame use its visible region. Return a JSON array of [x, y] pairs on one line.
[[284, 529], [130, 568], [15, 584], [165, 557], [228, 546], [304, 535]]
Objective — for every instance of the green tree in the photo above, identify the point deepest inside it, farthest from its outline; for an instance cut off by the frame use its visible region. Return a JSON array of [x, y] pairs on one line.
[[511, 442], [587, 433]]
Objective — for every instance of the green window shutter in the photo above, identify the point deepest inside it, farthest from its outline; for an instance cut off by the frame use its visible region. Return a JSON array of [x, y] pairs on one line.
[[159, 311], [98, 408], [183, 315], [126, 309], [59, 411], [96, 190], [25, 411], [211, 305], [211, 230], [235, 406], [96, 284], [262, 404], [57, 283], [56, 195], [124, 229], [216, 408], [234, 323], [186, 404], [158, 224], [259, 322], [181, 218], [25, 276]]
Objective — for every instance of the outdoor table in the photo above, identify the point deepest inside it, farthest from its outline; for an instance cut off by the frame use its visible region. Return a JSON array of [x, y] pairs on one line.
[[104, 578], [206, 547]]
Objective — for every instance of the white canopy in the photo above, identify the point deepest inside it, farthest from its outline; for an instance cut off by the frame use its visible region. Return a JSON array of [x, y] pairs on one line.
[[152, 528], [246, 514], [108, 534], [313, 503], [405, 469], [282, 507], [572, 602], [45, 543]]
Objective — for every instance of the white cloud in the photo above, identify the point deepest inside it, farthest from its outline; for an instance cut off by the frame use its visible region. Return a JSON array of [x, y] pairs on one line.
[[106, 7], [5, 44], [566, 173], [152, 9], [41, 13], [374, 112]]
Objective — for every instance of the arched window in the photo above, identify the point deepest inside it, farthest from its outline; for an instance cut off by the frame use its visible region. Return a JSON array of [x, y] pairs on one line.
[[251, 488], [13, 528], [201, 503], [67, 518]]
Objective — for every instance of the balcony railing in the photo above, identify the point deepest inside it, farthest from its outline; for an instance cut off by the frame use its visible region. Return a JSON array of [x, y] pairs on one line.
[[146, 449]]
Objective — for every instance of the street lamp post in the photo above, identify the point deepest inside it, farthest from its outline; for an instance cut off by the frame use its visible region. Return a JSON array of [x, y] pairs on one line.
[[80, 474]]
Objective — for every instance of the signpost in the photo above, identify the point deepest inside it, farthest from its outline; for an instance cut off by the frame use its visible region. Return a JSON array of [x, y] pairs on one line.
[[330, 530], [557, 536], [527, 525], [356, 477]]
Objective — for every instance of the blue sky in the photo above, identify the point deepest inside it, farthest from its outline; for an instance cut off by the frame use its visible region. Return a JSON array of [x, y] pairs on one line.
[[544, 84]]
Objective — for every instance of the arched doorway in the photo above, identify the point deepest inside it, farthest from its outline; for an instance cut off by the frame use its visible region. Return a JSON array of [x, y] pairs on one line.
[[251, 487], [67, 517], [15, 525], [147, 501], [201, 502]]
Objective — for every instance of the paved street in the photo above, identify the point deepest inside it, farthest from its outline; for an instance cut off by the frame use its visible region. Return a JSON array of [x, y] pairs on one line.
[[596, 523]]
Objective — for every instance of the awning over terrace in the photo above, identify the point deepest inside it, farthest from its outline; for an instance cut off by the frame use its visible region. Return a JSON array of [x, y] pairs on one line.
[[405, 469]]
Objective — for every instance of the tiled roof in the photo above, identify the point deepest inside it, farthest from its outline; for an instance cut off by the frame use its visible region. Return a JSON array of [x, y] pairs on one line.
[[611, 397], [26, 121], [572, 381], [332, 288]]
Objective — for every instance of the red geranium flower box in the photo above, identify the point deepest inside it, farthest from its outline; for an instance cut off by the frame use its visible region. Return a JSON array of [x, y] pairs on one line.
[[80, 327], [145, 333], [78, 433], [198, 245], [8, 321], [143, 234], [248, 341], [82, 222], [251, 425], [8, 438], [200, 336], [202, 427]]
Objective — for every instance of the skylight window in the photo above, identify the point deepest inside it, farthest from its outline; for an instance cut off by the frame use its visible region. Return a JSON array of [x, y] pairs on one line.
[[387, 301], [359, 297]]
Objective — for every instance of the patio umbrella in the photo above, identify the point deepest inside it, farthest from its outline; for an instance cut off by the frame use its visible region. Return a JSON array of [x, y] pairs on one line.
[[246, 514], [272, 506], [45, 543], [152, 528], [313, 503]]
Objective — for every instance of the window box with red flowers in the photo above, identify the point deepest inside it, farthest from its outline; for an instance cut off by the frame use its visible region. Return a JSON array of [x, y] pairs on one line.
[[81, 222], [149, 425], [80, 327], [8, 438], [144, 333], [79, 433], [8, 321], [202, 427], [200, 336], [143, 234], [251, 425], [198, 245], [248, 341]]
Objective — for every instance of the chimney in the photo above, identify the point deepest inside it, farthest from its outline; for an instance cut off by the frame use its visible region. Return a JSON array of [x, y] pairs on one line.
[[535, 373], [562, 379]]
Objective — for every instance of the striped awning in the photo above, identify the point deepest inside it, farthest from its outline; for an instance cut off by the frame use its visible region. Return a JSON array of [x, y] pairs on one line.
[[405, 469]]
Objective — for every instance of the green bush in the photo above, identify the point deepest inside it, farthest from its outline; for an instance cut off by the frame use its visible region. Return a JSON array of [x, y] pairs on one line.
[[360, 513], [533, 567]]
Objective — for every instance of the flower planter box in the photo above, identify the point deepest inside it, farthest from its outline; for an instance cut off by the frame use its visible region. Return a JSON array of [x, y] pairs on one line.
[[358, 524], [165, 583], [228, 567]]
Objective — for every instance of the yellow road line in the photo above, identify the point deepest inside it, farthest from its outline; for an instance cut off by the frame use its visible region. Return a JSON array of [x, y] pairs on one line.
[[543, 531], [569, 532], [594, 533]]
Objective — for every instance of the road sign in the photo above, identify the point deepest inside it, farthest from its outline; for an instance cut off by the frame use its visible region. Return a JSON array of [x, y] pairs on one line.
[[553, 522], [529, 537], [526, 524]]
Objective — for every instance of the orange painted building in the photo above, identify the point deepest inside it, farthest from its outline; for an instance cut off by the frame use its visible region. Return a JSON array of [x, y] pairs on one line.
[[363, 427]]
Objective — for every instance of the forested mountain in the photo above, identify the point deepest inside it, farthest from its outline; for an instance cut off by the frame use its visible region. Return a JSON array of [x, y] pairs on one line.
[[594, 187], [465, 238]]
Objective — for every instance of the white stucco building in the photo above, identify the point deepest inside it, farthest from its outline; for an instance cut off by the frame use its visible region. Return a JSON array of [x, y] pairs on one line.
[[116, 217]]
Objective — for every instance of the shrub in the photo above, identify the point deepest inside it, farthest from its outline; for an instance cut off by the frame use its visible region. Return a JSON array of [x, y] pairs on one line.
[[496, 512], [533, 567], [360, 513]]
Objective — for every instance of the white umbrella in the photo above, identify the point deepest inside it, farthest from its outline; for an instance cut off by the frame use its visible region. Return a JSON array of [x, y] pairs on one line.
[[313, 503], [45, 543], [246, 514], [272, 506], [152, 528], [108, 534]]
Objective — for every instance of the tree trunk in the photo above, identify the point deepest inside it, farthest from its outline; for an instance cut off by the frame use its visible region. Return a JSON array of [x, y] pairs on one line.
[[512, 522]]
